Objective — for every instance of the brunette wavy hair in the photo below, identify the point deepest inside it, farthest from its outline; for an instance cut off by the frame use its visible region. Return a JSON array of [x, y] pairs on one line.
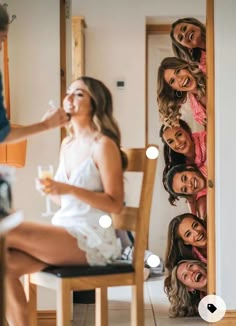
[[175, 248], [167, 179], [170, 156], [103, 120]]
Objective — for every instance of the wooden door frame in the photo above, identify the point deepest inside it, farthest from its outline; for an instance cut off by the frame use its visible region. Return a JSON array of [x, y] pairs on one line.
[[163, 29]]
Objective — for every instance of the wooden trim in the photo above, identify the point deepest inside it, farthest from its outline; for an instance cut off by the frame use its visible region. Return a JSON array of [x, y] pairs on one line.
[[78, 26], [2, 280], [6, 78], [211, 260], [63, 54], [228, 320], [230, 314], [146, 87], [46, 314], [46, 318], [158, 29]]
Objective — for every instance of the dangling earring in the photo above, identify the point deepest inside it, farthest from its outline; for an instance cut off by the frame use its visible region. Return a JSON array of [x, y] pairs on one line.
[[191, 53], [178, 94], [192, 291], [169, 155]]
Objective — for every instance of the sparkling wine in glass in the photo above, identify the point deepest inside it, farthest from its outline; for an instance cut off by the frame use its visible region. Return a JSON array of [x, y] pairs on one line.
[[46, 171]]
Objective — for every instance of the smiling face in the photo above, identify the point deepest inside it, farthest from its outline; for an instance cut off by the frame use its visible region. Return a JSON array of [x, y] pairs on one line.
[[192, 275], [192, 232], [180, 80], [189, 35], [178, 139], [77, 100], [188, 182]]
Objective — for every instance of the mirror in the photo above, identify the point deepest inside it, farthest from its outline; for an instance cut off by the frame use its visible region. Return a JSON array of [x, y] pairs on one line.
[[108, 45]]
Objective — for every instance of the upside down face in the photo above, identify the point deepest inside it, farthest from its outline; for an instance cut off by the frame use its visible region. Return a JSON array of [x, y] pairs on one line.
[[188, 35], [192, 275]]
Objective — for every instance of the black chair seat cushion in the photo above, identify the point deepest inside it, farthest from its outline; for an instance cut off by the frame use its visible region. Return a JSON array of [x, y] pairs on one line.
[[79, 270]]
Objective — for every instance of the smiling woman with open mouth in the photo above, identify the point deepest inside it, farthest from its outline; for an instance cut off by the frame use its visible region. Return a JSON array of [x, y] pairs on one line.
[[186, 238], [188, 36], [189, 182], [178, 81], [185, 287]]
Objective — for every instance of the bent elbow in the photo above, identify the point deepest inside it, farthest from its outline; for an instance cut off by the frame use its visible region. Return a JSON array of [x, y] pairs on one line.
[[117, 208]]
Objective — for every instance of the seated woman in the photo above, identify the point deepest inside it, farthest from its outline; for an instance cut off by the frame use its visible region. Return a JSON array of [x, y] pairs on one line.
[[186, 238], [178, 81], [182, 146], [189, 182], [87, 185], [188, 37], [185, 287]]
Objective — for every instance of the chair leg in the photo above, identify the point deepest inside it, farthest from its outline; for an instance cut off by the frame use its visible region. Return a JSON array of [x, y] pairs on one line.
[[63, 303], [31, 296], [101, 307], [137, 305]]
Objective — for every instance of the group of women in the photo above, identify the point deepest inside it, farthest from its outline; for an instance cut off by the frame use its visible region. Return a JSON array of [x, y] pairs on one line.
[[181, 79], [89, 181]]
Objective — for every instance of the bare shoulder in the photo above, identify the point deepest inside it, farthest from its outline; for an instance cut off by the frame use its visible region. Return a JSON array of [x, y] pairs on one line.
[[105, 146], [65, 142]]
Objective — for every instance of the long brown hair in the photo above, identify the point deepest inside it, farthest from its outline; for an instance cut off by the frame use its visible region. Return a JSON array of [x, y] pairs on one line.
[[175, 248], [102, 113]]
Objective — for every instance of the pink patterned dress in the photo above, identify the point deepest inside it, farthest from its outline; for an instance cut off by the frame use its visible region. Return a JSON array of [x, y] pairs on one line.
[[198, 255], [199, 139], [198, 110], [202, 64]]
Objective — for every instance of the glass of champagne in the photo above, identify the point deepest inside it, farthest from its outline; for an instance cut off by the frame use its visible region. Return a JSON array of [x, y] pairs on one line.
[[46, 171]]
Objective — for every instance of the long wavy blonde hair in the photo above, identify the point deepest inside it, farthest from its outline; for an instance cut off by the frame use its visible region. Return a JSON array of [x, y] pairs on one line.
[[103, 120], [183, 303], [181, 51], [168, 99]]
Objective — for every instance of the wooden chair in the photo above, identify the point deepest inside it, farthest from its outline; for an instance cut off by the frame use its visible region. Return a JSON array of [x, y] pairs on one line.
[[74, 278]]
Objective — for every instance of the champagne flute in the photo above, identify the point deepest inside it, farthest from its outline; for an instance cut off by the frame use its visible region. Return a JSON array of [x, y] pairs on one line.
[[46, 171]]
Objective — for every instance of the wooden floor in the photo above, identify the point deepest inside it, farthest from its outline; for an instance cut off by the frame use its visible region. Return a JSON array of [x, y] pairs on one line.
[[156, 308]]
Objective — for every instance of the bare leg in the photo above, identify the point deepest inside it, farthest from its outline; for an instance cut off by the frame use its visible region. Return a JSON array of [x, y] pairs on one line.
[[48, 243], [18, 264], [30, 248]]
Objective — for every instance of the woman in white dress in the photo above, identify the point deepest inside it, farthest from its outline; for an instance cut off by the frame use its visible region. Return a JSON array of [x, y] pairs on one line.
[[87, 185]]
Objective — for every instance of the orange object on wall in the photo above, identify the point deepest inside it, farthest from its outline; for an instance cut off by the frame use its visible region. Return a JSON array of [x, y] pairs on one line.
[[11, 154]]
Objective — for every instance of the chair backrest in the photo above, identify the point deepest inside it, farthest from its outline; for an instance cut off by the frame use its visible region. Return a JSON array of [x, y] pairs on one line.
[[137, 218]]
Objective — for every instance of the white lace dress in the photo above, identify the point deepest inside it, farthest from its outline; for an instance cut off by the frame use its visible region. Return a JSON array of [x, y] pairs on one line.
[[81, 220]]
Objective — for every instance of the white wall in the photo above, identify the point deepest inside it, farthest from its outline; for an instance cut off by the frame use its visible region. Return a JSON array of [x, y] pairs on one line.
[[34, 65], [225, 71], [115, 48]]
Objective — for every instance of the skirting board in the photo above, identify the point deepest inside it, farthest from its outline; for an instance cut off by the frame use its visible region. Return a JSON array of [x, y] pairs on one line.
[[228, 320], [48, 318]]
